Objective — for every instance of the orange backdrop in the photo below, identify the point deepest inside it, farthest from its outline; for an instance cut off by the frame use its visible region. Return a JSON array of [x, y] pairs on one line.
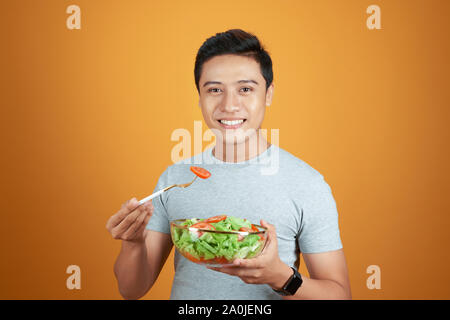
[[87, 117]]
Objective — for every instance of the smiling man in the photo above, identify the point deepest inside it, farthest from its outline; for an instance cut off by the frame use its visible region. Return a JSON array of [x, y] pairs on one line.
[[234, 78], [233, 95]]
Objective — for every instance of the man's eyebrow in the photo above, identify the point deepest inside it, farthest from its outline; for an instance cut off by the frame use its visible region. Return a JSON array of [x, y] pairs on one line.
[[248, 81], [211, 82], [240, 81]]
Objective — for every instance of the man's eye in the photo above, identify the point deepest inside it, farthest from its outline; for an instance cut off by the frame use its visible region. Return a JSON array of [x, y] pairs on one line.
[[246, 89], [215, 90]]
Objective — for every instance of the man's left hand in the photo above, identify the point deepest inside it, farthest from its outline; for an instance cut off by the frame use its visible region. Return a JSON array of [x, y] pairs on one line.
[[267, 268]]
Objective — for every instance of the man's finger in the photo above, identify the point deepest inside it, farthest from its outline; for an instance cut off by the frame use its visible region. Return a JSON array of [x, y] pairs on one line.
[[143, 226], [128, 220], [140, 228], [271, 231], [253, 263], [148, 204], [232, 271], [268, 226], [240, 272], [135, 225], [147, 218], [125, 210]]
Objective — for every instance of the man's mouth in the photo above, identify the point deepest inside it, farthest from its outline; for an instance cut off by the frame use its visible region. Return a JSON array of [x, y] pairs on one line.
[[231, 124]]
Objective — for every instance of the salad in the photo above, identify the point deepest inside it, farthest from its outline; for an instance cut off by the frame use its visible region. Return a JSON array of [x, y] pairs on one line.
[[201, 246]]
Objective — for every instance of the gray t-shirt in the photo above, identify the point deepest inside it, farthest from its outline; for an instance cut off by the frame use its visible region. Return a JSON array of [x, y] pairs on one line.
[[275, 186]]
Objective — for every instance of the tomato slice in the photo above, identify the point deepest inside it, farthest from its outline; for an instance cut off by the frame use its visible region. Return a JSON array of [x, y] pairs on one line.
[[216, 219], [203, 225], [191, 257], [241, 237], [221, 260], [201, 172], [253, 229]]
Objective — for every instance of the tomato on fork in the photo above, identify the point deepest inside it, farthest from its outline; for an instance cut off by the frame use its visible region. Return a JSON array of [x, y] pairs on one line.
[[201, 172]]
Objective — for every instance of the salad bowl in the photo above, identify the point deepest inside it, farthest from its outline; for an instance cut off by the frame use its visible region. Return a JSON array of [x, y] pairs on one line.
[[218, 240]]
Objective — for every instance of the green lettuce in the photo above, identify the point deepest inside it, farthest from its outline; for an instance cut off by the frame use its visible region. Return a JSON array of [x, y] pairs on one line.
[[211, 245]]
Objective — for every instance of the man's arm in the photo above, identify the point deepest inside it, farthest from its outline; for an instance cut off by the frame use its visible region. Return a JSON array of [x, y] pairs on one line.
[[328, 271], [143, 251], [328, 277], [139, 263]]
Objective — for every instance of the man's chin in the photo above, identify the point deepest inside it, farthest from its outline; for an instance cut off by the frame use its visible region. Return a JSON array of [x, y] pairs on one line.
[[235, 139]]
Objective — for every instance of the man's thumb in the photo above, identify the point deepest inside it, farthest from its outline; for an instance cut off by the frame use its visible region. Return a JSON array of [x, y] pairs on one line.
[[270, 229]]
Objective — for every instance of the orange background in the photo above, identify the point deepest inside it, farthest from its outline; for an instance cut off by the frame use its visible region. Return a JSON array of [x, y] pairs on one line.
[[87, 115]]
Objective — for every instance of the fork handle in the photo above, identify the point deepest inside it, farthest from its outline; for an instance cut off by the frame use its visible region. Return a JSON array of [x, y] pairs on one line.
[[155, 195]]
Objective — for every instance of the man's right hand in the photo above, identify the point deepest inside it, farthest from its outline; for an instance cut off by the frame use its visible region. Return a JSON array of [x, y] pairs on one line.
[[129, 222]]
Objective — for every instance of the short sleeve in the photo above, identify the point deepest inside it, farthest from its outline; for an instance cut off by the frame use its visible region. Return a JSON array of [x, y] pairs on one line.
[[159, 220], [319, 231]]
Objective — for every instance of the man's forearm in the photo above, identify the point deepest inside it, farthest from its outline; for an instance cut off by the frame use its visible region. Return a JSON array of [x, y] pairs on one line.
[[319, 289], [132, 270]]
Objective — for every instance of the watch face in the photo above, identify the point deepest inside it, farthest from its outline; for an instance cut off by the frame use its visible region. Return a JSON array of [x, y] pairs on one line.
[[294, 283]]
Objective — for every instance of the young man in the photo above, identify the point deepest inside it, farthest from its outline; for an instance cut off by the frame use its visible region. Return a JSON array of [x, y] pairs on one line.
[[233, 74]]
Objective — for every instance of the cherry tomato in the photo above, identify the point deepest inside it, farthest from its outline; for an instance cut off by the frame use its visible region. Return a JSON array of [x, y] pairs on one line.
[[216, 219], [201, 172]]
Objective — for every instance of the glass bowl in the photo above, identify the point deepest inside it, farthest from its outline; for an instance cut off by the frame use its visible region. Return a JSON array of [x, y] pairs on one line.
[[216, 248]]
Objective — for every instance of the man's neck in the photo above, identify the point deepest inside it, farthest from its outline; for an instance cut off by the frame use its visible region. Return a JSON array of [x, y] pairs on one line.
[[244, 151]]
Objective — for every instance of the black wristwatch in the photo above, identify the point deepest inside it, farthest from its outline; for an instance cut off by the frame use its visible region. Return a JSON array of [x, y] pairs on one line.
[[291, 286]]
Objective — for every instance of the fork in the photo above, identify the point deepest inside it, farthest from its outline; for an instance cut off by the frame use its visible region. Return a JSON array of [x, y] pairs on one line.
[[184, 185]]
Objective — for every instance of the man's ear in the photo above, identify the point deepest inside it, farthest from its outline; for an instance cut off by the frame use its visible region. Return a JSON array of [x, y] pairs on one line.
[[269, 94]]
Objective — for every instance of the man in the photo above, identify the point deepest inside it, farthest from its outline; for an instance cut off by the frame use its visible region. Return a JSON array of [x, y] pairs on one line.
[[233, 74]]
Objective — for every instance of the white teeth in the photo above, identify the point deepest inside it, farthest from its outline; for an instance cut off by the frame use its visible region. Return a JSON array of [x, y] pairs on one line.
[[232, 122]]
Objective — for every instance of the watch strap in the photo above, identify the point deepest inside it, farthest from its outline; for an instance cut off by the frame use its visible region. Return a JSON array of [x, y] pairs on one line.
[[292, 284]]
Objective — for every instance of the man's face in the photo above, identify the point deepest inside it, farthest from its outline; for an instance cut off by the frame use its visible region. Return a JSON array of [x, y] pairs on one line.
[[233, 97]]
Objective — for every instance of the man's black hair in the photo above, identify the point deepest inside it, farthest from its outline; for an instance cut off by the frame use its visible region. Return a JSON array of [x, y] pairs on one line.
[[234, 41]]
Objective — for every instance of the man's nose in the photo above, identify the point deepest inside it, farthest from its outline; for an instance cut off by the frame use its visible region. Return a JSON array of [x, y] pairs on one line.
[[230, 102]]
